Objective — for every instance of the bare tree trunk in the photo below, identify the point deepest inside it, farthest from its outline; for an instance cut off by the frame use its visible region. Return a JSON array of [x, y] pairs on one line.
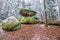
[[46, 21]]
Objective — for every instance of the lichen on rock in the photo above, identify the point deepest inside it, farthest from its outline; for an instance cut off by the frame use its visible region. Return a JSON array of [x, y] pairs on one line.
[[10, 23]]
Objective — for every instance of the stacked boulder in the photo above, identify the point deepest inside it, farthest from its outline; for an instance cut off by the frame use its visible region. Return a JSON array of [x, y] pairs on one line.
[[28, 19]]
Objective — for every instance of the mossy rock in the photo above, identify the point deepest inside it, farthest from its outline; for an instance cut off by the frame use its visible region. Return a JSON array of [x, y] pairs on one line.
[[10, 26], [10, 23], [29, 20], [27, 12]]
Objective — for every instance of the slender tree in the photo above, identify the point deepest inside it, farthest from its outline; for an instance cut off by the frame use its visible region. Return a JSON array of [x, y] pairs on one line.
[[46, 21]]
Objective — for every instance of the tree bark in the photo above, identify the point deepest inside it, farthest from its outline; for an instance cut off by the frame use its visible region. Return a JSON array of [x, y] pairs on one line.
[[46, 21]]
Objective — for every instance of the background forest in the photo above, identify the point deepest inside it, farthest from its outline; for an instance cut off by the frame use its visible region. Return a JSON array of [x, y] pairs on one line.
[[12, 7]]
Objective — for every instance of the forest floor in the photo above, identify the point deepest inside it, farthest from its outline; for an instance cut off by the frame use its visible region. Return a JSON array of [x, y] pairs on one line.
[[32, 32]]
